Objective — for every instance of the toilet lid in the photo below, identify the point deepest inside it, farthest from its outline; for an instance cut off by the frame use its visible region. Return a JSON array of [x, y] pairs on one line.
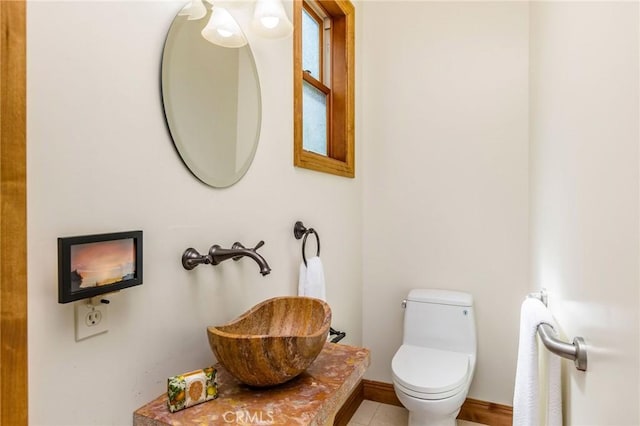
[[430, 371]]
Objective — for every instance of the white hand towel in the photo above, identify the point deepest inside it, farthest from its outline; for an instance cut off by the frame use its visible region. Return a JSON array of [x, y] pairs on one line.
[[527, 410], [551, 412], [311, 280]]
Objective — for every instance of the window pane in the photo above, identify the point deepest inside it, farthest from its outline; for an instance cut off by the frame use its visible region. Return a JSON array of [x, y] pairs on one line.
[[314, 124], [310, 45]]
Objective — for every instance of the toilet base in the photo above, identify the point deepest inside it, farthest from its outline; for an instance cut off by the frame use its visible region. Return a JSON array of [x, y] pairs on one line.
[[423, 412], [417, 418]]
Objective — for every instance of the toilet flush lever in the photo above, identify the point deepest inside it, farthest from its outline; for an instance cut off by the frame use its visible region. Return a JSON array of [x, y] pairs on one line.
[[404, 304]]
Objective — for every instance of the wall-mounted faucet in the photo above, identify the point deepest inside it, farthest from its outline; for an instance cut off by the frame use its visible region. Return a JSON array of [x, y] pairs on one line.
[[237, 251], [191, 258]]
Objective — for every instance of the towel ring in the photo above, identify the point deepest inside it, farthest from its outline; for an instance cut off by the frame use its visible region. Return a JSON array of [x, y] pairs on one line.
[[304, 242], [299, 231]]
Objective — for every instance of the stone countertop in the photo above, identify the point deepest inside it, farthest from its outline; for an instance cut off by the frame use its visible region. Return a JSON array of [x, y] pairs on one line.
[[312, 398]]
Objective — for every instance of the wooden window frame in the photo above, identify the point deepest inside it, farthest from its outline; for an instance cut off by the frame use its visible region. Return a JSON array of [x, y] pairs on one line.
[[340, 159], [320, 21]]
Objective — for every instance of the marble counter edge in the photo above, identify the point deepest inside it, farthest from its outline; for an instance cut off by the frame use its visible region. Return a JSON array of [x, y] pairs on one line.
[[336, 391]]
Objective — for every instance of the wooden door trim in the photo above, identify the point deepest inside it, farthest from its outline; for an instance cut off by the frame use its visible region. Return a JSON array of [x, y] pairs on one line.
[[13, 222]]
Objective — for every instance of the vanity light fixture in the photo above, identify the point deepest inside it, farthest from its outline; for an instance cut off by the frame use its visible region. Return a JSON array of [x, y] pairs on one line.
[[270, 20], [194, 10], [223, 30]]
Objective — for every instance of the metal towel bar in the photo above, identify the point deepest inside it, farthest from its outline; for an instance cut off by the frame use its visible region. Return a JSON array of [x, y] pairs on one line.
[[576, 351]]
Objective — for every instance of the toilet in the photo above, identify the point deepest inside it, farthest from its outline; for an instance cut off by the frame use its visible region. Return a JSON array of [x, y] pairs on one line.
[[433, 369]]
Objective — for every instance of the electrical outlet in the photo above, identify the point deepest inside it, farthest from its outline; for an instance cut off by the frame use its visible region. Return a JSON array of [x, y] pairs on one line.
[[90, 319], [93, 318]]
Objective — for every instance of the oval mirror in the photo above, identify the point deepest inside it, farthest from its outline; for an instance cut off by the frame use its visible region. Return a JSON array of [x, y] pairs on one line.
[[211, 98]]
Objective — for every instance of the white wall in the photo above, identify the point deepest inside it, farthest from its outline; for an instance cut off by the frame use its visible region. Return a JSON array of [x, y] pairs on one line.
[[100, 159], [584, 195], [442, 129], [445, 139]]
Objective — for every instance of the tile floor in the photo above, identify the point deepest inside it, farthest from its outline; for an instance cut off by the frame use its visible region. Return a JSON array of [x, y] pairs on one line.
[[375, 414]]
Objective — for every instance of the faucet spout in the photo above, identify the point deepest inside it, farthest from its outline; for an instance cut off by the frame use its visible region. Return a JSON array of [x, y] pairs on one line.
[[237, 251]]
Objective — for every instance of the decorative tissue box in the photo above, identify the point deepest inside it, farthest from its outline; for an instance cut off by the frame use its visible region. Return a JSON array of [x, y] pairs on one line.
[[191, 388]]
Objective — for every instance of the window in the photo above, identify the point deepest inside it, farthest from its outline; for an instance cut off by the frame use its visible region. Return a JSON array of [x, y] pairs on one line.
[[324, 86]]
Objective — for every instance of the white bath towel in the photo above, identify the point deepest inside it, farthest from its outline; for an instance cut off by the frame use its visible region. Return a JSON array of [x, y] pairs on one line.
[[311, 280], [531, 406]]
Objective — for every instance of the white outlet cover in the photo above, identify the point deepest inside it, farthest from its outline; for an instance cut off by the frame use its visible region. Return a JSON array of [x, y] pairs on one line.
[[86, 328]]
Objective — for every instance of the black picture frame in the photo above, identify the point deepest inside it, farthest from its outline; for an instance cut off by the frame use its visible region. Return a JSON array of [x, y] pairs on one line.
[[106, 262]]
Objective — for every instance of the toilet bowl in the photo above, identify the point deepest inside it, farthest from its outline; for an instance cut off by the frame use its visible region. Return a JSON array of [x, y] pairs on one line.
[[433, 369]]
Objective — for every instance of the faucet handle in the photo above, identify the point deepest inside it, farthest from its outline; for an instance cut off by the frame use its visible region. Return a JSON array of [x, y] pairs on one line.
[[239, 246], [191, 258]]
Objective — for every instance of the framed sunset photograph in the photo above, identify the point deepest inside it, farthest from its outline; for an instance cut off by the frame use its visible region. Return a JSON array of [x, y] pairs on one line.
[[91, 265]]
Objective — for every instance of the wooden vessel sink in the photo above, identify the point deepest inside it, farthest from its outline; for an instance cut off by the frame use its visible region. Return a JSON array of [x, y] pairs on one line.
[[272, 342]]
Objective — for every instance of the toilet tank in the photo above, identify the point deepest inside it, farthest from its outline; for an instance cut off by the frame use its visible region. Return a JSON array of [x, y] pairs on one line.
[[440, 319]]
